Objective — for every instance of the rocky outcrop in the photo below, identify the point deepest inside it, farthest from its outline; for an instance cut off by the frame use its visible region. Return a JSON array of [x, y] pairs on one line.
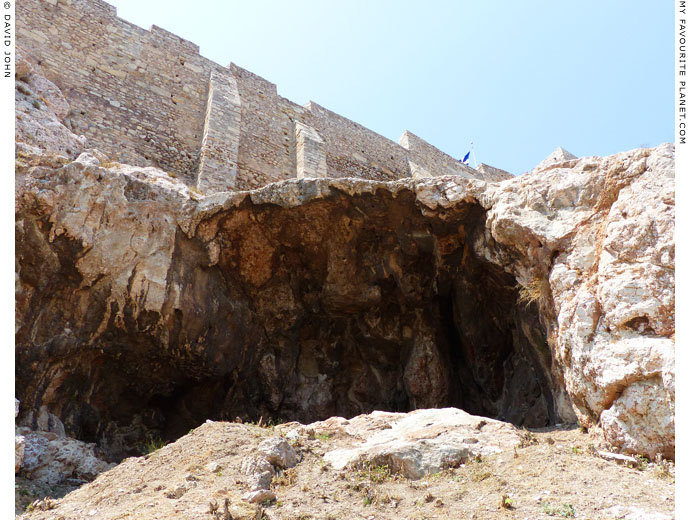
[[273, 454], [261, 299], [558, 156], [143, 308], [52, 459], [418, 443], [48, 456], [19, 443], [608, 226], [41, 113]]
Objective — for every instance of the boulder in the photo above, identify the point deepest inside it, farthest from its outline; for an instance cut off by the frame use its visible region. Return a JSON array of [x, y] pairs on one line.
[[19, 444], [253, 465], [259, 496], [278, 452], [51, 459], [421, 442], [272, 455]]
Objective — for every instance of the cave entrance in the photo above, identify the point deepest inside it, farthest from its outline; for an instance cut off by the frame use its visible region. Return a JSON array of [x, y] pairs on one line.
[[340, 306]]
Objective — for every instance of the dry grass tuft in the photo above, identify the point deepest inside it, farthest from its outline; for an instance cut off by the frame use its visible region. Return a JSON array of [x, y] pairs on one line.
[[527, 438], [664, 469], [286, 478], [537, 291], [110, 164]]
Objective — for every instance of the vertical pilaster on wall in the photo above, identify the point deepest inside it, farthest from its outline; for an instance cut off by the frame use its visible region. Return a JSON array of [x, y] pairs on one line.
[[426, 160], [311, 156], [417, 171], [221, 138]]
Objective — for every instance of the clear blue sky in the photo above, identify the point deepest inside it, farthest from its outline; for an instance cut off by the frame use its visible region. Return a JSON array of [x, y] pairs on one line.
[[517, 78]]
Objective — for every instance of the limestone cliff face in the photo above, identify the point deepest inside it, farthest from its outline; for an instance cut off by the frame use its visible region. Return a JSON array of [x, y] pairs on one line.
[[600, 231], [143, 307]]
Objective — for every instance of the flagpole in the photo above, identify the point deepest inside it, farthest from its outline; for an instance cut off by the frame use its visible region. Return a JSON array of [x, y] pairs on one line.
[[474, 155]]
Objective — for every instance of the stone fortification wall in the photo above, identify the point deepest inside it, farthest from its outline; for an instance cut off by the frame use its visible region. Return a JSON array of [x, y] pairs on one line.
[[428, 161], [355, 151], [147, 97], [218, 162], [138, 95], [491, 173]]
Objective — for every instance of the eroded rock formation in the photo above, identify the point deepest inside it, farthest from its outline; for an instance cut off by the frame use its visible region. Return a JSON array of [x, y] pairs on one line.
[[145, 309], [418, 443], [321, 299]]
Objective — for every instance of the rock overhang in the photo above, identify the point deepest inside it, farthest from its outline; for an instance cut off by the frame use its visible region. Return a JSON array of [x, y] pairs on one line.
[[286, 263]]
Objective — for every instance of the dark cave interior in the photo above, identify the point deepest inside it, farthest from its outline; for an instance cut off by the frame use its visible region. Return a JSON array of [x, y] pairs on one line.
[[338, 307]]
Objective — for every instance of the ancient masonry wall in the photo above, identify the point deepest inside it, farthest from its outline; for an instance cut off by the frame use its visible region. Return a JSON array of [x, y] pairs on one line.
[[147, 97], [355, 151], [221, 142], [427, 160], [491, 173]]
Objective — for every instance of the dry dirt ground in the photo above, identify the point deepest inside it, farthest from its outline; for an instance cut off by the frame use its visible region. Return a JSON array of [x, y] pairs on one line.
[[555, 473]]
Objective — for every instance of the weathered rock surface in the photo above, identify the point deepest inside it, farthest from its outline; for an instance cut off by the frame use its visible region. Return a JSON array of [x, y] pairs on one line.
[[607, 225], [316, 320], [272, 455], [141, 308], [43, 452], [51, 459], [19, 444], [44, 421], [40, 113], [278, 452], [558, 156], [419, 443]]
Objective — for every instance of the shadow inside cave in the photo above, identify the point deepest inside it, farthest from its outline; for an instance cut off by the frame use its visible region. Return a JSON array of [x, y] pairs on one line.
[[340, 306]]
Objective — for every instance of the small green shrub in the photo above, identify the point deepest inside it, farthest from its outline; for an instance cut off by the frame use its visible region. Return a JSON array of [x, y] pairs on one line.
[[374, 473], [151, 445], [564, 510]]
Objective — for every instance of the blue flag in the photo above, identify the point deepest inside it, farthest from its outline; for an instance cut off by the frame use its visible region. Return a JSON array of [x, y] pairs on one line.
[[464, 159]]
